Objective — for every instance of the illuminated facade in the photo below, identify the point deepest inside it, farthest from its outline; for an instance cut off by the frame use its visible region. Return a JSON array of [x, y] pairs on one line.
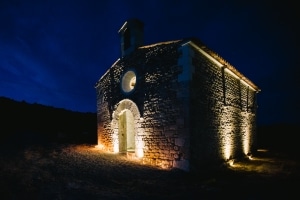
[[174, 104]]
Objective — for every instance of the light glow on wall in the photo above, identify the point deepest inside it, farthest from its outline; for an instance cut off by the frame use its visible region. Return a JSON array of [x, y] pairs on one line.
[[100, 146], [246, 141], [247, 133], [227, 146], [227, 134], [127, 105], [234, 132], [115, 139], [139, 152]]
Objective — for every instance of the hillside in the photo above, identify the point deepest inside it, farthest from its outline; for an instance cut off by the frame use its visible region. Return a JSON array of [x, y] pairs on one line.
[[23, 122]]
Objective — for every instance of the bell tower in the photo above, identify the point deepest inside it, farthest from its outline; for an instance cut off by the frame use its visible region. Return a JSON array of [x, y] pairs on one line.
[[131, 35]]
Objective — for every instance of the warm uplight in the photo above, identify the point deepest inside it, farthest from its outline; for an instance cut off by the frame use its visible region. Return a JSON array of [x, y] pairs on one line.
[[125, 127], [246, 141], [139, 147], [115, 142], [227, 146], [227, 134], [100, 146], [246, 133], [262, 150], [231, 162], [235, 135], [139, 153], [250, 157]]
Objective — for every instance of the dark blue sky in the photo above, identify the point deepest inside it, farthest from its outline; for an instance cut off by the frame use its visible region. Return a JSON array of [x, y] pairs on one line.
[[53, 52]]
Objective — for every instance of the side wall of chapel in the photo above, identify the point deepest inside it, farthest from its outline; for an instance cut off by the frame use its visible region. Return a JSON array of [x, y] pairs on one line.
[[224, 113]]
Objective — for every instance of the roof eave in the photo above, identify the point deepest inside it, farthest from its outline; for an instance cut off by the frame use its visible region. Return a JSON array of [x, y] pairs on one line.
[[222, 63]]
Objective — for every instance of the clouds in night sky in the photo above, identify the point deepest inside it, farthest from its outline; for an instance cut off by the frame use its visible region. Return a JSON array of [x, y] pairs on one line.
[[53, 52]]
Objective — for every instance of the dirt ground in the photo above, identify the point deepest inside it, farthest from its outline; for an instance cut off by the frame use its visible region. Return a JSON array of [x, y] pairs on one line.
[[55, 171]]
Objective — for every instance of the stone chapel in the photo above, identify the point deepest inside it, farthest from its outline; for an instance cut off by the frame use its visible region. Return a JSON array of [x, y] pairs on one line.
[[174, 104]]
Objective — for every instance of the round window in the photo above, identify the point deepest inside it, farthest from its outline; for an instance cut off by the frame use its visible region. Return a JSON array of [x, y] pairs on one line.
[[128, 81]]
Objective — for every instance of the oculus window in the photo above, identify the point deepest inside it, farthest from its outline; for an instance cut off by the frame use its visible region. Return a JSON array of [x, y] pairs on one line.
[[128, 81]]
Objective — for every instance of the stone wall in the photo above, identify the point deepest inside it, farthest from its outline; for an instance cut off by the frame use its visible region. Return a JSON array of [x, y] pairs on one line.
[[163, 125], [190, 111], [223, 110]]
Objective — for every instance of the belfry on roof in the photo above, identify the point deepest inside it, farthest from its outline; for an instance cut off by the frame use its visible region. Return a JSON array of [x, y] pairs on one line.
[[131, 35], [174, 104]]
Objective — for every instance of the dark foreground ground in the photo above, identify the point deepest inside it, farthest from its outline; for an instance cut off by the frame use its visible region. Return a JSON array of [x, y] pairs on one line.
[[55, 171]]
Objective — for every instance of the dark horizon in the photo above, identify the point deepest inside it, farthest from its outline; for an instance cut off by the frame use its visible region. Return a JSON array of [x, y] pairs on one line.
[[259, 125]]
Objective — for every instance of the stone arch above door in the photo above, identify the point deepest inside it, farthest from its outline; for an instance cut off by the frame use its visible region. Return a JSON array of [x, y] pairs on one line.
[[129, 105], [120, 108]]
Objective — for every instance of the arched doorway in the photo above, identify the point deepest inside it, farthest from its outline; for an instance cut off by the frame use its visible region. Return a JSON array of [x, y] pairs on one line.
[[125, 126], [126, 131]]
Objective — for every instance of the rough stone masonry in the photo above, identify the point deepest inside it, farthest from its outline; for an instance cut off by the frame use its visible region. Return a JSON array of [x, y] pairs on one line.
[[175, 104]]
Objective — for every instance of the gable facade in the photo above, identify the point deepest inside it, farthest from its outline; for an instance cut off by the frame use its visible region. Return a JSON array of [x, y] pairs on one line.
[[175, 104]]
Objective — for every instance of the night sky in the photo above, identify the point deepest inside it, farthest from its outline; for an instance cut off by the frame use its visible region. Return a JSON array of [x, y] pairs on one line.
[[53, 52]]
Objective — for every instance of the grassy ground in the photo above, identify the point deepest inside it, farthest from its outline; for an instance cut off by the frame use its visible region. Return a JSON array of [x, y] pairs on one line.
[[55, 171]]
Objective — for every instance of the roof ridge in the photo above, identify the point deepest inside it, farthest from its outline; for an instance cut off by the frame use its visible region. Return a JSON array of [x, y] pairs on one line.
[[159, 43], [223, 61]]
